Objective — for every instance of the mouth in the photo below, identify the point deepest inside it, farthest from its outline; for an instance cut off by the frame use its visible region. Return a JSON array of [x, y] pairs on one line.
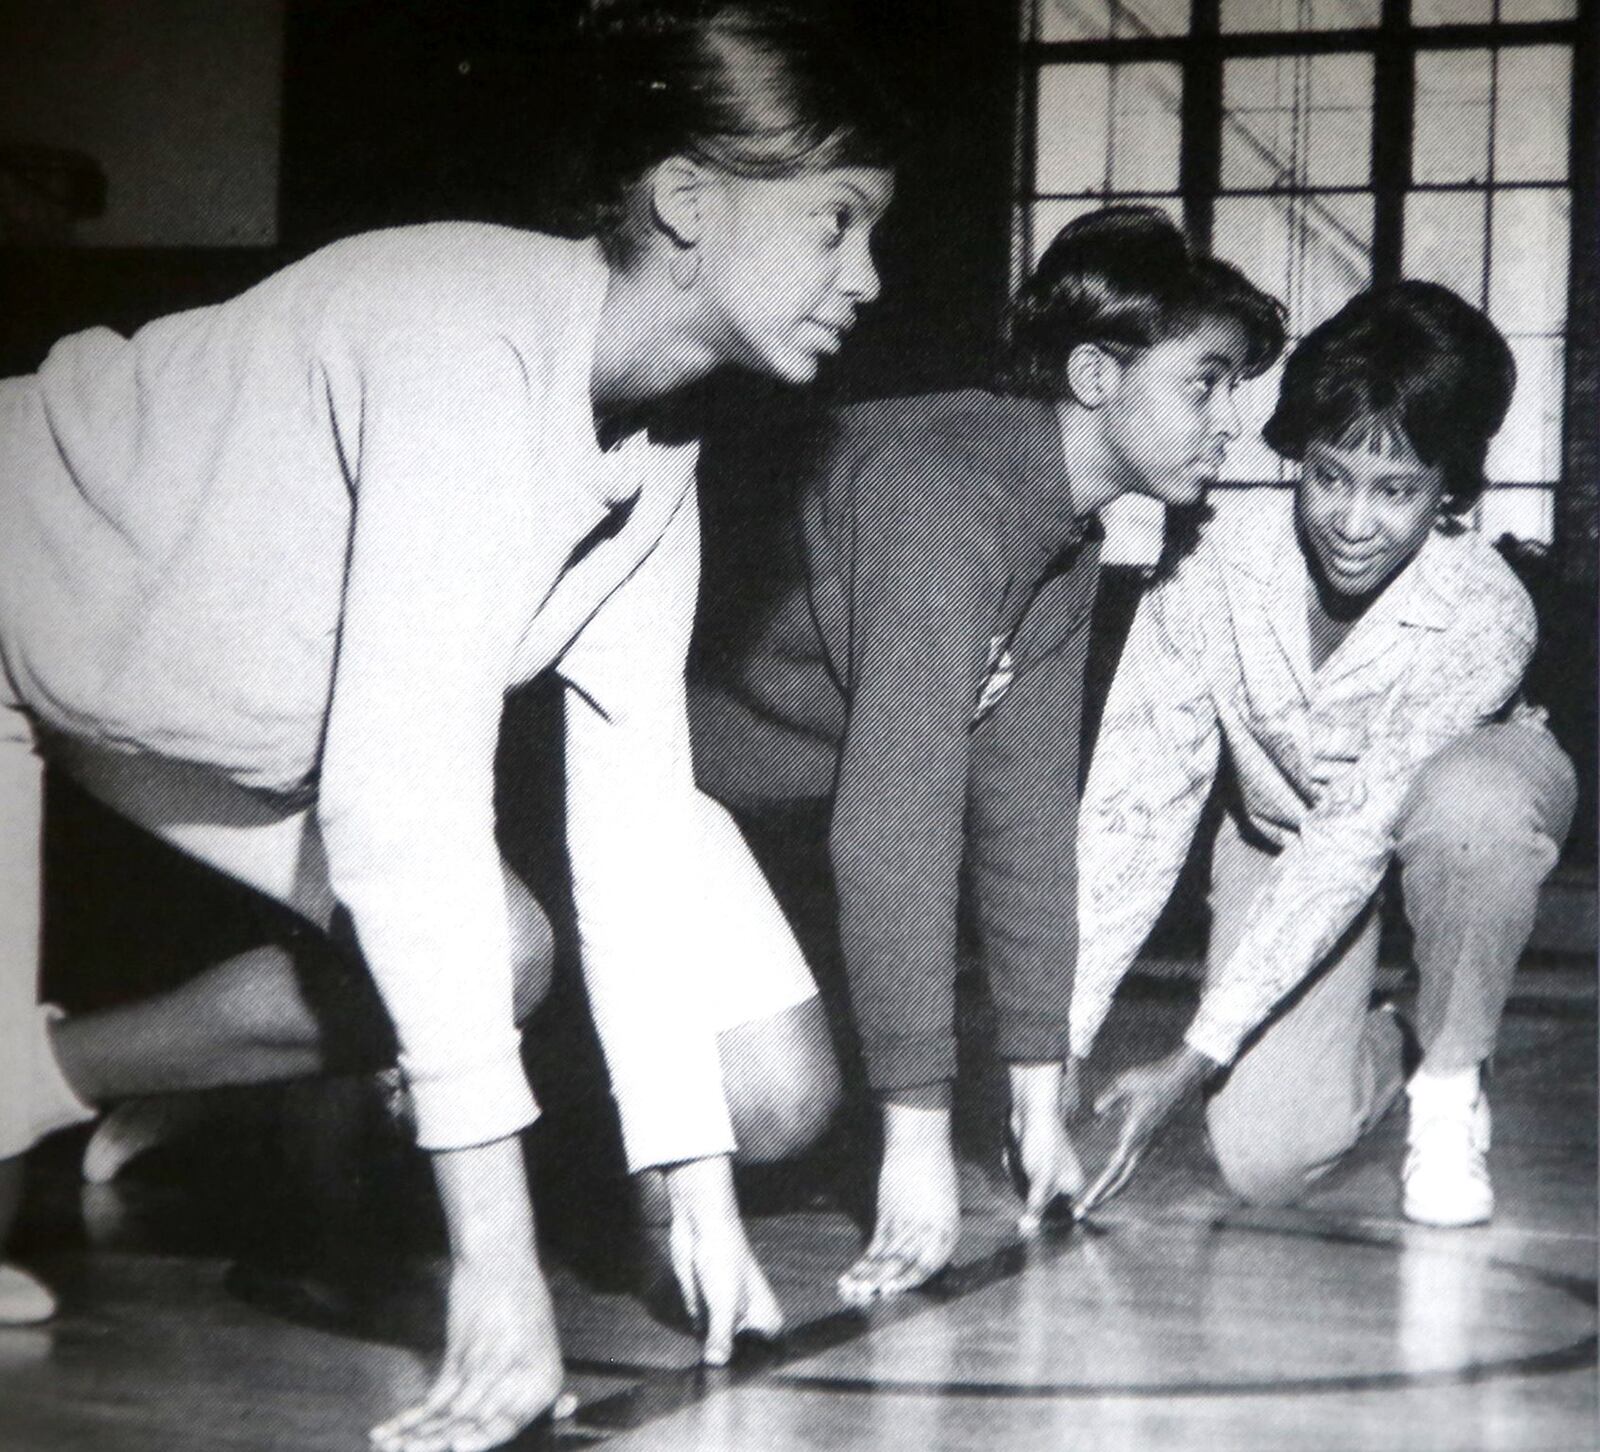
[[1350, 564], [835, 331]]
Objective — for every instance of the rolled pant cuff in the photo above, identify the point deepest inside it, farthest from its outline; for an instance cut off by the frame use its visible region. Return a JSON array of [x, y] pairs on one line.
[[1032, 1040], [910, 1063]]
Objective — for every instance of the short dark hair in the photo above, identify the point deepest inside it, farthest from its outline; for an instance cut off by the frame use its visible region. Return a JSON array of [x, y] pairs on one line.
[[1125, 278], [759, 88], [1411, 356]]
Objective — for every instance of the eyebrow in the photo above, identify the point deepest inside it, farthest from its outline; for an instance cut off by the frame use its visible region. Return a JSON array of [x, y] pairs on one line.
[[1220, 358]]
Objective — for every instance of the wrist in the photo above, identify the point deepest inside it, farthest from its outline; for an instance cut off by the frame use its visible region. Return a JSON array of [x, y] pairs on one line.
[[1195, 1064], [910, 1124], [920, 1096], [483, 1193], [702, 1187], [1035, 1085]]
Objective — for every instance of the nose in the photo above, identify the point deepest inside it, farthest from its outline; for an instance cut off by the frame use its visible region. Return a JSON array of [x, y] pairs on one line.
[[859, 279], [1226, 414], [1357, 521]]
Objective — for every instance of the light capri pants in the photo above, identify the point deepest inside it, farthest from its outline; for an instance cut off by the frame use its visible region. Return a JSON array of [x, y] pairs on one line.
[[1479, 832]]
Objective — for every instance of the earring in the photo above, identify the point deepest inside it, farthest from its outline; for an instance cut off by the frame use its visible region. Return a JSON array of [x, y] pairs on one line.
[[685, 268]]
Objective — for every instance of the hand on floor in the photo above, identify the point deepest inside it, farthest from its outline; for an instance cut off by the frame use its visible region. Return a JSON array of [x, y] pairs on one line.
[[1147, 1095], [502, 1365], [717, 1271], [919, 1208], [1050, 1172]]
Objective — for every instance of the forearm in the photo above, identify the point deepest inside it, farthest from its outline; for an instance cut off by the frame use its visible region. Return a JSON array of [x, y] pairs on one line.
[[1133, 837], [642, 924], [897, 872], [904, 1010], [431, 921], [1022, 842]]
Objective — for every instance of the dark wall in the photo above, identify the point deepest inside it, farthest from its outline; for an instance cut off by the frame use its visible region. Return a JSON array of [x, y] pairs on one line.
[[400, 111]]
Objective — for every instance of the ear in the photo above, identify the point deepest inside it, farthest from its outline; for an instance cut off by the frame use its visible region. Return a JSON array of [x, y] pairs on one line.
[[678, 199], [1093, 375]]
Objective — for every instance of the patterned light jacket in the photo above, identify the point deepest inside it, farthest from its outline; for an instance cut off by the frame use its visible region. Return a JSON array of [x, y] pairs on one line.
[[1218, 654]]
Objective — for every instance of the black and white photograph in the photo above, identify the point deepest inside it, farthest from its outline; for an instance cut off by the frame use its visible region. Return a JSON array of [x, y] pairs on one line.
[[799, 725]]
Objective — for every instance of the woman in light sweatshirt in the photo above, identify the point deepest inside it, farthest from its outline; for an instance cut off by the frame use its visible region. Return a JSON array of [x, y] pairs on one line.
[[267, 570]]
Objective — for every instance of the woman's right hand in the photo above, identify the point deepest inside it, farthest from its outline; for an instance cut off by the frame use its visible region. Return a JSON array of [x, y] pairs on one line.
[[502, 1363], [1043, 1095], [716, 1269]]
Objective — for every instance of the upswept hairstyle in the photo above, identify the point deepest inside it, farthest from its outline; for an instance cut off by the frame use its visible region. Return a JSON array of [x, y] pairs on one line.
[[1125, 278], [1412, 357], [759, 88]]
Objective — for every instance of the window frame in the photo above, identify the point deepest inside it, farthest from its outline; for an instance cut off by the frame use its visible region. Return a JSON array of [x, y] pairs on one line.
[[1393, 43]]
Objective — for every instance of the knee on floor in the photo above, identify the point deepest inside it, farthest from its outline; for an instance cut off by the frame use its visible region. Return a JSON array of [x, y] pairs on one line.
[[1271, 1168]]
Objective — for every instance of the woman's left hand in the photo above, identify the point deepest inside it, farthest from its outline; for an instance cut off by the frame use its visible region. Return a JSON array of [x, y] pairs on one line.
[[716, 1269], [502, 1361]]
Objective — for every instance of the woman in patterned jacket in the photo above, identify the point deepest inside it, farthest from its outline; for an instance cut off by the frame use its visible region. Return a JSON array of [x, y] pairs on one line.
[[1360, 657]]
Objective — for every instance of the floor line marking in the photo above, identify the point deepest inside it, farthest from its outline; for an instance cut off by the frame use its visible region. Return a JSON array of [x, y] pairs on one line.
[[663, 1392]]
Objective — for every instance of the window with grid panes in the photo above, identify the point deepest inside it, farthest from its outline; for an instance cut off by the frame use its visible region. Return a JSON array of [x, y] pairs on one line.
[[1322, 145]]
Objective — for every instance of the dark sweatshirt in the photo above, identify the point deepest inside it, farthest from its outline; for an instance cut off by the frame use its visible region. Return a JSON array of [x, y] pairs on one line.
[[925, 668]]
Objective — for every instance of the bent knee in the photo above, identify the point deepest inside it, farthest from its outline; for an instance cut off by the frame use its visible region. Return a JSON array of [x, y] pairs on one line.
[[782, 1081], [1481, 795], [1264, 1169], [533, 949], [786, 1118]]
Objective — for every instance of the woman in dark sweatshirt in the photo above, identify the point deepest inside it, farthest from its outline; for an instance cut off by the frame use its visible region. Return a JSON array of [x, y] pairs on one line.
[[924, 669]]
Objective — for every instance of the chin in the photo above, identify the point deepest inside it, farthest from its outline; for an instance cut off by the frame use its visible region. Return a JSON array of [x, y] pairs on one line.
[[1187, 492], [792, 367]]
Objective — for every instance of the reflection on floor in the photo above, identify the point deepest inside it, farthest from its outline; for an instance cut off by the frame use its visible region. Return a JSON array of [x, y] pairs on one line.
[[1179, 1320]]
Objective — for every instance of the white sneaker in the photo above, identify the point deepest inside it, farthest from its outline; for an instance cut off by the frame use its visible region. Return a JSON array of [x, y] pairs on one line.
[[24, 1301], [1446, 1171]]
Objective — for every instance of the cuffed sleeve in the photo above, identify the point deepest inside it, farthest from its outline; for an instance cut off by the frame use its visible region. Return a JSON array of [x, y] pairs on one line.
[[1329, 871], [1154, 761], [452, 551], [669, 900]]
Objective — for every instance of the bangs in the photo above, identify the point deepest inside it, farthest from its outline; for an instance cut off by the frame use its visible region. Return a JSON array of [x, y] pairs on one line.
[[1358, 414], [1379, 432]]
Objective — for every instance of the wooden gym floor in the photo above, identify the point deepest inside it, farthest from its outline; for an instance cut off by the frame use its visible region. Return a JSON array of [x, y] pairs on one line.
[[1179, 1319]]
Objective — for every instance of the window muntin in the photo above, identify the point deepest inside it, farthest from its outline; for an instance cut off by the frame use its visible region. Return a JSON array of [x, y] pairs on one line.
[[1275, 140]]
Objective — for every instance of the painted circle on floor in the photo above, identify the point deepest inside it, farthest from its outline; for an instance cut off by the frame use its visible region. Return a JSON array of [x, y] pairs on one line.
[[1164, 1310]]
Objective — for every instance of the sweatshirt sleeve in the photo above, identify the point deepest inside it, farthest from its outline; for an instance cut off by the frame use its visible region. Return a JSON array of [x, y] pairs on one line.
[[925, 582], [1330, 869], [1022, 838], [450, 553], [669, 900], [1154, 761]]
